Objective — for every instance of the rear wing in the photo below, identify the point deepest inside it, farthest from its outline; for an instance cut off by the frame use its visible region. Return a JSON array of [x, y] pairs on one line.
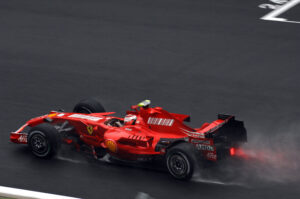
[[232, 130], [225, 117]]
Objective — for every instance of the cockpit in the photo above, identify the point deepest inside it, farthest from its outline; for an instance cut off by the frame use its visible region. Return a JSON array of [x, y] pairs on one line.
[[115, 122], [129, 119]]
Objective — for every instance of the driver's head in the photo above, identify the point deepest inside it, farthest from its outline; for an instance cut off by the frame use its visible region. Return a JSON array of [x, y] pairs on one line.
[[130, 119]]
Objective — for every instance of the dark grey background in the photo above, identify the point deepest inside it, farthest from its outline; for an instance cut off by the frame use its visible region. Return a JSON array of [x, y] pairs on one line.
[[188, 56]]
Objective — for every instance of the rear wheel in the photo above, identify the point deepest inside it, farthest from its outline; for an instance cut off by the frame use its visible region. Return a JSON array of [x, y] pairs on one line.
[[43, 140], [90, 105], [180, 160]]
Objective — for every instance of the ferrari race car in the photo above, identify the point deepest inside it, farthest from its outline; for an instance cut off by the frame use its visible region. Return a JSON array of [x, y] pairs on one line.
[[142, 135]]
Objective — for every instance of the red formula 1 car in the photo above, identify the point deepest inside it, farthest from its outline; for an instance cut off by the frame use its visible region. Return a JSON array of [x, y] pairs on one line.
[[143, 134]]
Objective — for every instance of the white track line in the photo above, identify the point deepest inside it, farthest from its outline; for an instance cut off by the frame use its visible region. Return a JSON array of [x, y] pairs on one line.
[[25, 194], [272, 16]]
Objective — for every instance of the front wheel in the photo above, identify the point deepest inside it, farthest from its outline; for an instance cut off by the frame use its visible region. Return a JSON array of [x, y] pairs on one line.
[[180, 161], [43, 140]]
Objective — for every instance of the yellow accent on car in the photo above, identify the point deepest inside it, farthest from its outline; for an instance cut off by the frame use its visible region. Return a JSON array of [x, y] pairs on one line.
[[52, 114], [111, 145], [90, 129], [144, 103]]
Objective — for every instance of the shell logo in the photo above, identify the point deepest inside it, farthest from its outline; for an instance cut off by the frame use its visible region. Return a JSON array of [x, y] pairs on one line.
[[111, 145]]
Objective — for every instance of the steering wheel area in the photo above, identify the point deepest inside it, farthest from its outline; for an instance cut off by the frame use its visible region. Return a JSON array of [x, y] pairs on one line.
[[114, 122]]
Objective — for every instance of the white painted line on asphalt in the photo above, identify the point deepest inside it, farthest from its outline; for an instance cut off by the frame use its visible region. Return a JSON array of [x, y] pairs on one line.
[[25, 194], [272, 16], [142, 195]]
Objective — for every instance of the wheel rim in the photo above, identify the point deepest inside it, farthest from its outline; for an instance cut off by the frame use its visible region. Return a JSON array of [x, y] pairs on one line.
[[178, 165], [39, 144]]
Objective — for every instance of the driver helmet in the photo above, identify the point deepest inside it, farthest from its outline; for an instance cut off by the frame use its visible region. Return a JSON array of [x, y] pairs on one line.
[[130, 119]]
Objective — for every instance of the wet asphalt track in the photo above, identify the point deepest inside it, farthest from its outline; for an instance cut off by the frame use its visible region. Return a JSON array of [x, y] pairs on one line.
[[193, 57]]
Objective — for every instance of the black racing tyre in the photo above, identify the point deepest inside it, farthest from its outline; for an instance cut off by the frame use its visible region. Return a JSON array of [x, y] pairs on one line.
[[43, 140], [90, 105], [180, 161]]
